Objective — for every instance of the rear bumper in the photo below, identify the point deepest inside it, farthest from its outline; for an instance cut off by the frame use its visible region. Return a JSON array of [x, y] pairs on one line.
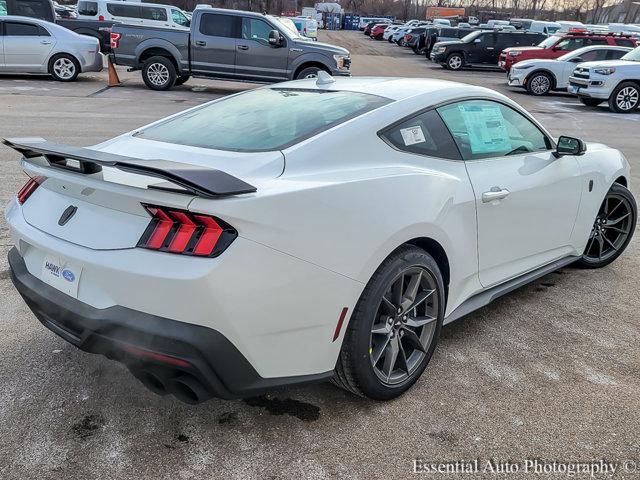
[[192, 362], [92, 63]]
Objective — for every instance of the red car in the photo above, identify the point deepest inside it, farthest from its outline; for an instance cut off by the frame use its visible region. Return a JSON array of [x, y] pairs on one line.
[[559, 44], [378, 30]]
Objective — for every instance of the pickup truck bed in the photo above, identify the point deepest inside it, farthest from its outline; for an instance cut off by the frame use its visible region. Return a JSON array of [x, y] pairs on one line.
[[92, 28]]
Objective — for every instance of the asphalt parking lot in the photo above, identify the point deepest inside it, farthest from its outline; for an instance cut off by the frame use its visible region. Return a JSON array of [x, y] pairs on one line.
[[551, 371]]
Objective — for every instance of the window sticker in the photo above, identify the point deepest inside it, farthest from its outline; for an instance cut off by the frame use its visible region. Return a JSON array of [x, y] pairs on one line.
[[412, 135], [487, 128]]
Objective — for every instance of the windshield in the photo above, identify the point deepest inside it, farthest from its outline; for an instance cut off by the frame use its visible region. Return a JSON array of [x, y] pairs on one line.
[[632, 56], [288, 26], [263, 119], [471, 37], [549, 42]]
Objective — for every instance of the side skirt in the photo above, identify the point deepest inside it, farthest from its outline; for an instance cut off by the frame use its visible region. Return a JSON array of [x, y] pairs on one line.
[[485, 297]]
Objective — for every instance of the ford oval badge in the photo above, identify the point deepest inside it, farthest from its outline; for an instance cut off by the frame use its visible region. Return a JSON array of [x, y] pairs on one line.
[[68, 275]]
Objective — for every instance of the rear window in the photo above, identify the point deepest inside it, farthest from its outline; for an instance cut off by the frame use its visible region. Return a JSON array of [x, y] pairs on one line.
[[264, 119], [33, 8], [215, 25], [625, 42], [88, 8]]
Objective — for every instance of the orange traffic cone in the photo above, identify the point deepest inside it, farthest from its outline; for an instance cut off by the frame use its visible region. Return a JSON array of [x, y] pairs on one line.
[[114, 80]]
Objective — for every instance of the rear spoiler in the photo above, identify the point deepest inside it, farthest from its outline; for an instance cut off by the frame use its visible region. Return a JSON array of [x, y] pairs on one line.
[[201, 181]]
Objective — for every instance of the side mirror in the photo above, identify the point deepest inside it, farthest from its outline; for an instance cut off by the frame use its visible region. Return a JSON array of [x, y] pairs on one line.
[[275, 39], [570, 146], [577, 60]]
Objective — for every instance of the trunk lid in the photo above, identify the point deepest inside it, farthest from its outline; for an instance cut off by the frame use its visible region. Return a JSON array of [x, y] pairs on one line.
[[110, 211]]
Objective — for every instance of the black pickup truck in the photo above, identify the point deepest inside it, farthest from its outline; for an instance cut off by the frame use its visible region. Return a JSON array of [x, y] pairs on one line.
[[225, 45], [93, 28]]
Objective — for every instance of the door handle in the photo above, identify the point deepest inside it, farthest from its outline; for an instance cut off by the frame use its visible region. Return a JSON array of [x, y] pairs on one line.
[[489, 48], [45, 42], [201, 43], [243, 47], [496, 193]]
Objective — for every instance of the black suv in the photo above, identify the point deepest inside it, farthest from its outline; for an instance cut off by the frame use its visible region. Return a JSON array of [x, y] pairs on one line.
[[439, 34], [481, 48]]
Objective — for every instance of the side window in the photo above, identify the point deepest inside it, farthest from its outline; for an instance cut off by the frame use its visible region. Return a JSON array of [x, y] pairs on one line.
[[178, 17], [570, 44], [595, 41], [593, 55], [15, 29], [129, 11], [483, 129], [3, 8], [256, 29], [424, 134], [216, 25], [615, 54], [625, 42], [154, 13], [88, 8]]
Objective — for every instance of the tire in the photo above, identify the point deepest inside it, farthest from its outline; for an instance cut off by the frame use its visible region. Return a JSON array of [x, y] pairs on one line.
[[590, 102], [357, 371], [159, 73], [455, 61], [539, 83], [182, 79], [309, 72], [613, 228], [64, 67], [625, 98]]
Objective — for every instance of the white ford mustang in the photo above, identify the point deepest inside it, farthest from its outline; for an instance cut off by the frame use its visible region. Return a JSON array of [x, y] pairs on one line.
[[306, 231]]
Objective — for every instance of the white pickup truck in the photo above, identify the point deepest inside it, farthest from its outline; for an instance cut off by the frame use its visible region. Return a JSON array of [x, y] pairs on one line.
[[615, 81]]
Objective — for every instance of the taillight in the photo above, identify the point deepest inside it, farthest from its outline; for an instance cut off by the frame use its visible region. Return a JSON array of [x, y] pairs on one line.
[[101, 18], [28, 188], [186, 233], [115, 39]]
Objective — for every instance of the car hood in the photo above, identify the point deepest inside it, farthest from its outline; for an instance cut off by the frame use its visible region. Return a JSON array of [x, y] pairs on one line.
[[447, 44], [521, 49], [319, 47], [610, 63], [536, 63]]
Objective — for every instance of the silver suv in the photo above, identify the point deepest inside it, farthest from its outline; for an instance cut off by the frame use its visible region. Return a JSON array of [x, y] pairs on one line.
[[615, 81]]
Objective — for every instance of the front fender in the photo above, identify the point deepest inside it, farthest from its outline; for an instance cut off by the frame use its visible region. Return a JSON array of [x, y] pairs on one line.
[[311, 57]]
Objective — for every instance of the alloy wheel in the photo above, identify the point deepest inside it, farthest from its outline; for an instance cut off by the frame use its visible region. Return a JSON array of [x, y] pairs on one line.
[[611, 228], [158, 74], [404, 325], [627, 98], [311, 75], [64, 68], [455, 62], [540, 84]]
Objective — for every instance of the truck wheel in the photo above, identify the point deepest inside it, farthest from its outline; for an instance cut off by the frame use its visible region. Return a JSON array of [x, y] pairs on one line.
[[625, 98], [455, 61], [309, 72], [159, 73], [182, 79], [591, 102], [539, 84], [64, 67]]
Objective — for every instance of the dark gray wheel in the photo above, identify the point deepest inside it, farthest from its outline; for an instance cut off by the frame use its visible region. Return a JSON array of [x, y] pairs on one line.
[[590, 102], [309, 72], [539, 83], [64, 67], [455, 61], [612, 230], [625, 98], [159, 73], [394, 328]]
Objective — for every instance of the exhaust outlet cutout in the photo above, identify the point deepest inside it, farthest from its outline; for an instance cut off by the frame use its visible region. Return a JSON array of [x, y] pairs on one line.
[[188, 389], [151, 381]]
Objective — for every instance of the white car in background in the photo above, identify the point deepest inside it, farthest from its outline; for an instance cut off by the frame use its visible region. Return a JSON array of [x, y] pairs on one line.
[[389, 31], [541, 76], [193, 253], [614, 81], [31, 45]]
